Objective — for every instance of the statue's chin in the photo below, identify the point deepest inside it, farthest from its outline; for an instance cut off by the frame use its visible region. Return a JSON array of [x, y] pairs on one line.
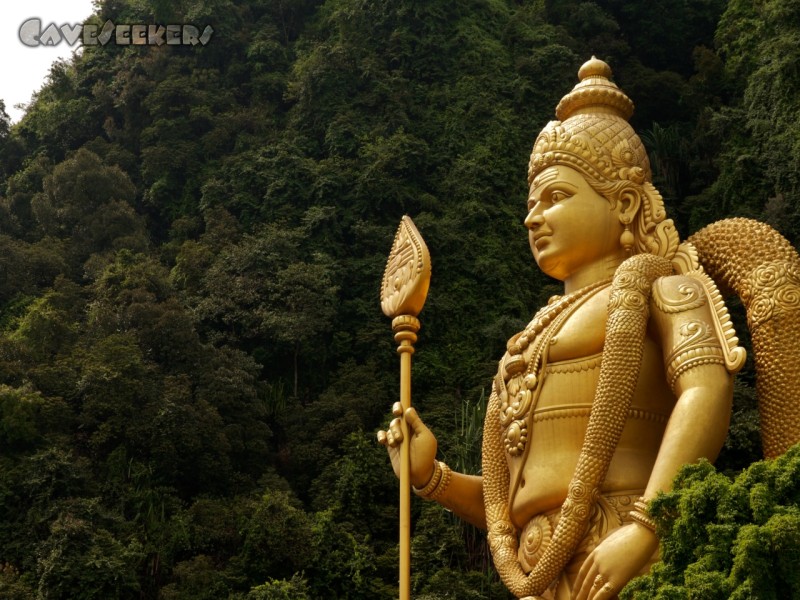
[[549, 266]]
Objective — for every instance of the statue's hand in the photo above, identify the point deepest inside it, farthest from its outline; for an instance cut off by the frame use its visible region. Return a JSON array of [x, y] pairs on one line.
[[615, 561], [422, 450]]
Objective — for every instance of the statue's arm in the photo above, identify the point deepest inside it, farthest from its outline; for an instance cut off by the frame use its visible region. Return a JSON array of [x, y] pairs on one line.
[[696, 371], [464, 497], [698, 424]]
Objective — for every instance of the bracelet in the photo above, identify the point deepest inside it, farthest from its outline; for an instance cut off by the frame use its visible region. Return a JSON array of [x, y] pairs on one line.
[[438, 483], [443, 482], [641, 516], [427, 490]]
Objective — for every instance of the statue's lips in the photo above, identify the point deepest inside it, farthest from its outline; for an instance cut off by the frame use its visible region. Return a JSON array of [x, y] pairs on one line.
[[541, 238]]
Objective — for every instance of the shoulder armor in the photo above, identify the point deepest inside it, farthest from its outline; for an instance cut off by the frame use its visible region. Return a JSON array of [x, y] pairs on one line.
[[695, 323], [687, 263]]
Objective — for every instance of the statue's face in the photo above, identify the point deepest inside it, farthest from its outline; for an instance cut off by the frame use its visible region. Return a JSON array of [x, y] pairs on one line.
[[570, 226]]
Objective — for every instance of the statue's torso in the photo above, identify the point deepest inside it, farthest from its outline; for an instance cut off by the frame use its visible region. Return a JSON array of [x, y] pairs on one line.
[[540, 476]]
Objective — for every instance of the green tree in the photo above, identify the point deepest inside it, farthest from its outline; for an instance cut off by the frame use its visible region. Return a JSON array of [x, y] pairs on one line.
[[83, 560], [295, 588], [728, 538]]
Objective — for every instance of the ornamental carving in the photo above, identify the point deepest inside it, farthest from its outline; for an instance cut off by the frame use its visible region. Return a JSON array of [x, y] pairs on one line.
[[771, 288], [690, 295]]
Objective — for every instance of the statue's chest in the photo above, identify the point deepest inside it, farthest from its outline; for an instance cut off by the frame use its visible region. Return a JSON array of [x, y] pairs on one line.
[[583, 332], [557, 333]]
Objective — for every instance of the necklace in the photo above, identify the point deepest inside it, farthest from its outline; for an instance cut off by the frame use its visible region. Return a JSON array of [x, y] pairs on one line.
[[519, 385]]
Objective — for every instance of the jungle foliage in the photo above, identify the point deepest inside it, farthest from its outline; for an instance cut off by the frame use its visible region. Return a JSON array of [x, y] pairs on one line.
[[192, 356]]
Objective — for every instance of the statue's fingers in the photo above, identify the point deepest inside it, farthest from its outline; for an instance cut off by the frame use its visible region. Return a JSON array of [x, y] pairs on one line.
[[585, 582], [606, 592], [396, 432], [415, 424], [397, 409], [382, 438]]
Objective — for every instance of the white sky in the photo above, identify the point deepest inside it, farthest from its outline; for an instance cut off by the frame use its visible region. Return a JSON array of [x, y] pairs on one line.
[[22, 68]]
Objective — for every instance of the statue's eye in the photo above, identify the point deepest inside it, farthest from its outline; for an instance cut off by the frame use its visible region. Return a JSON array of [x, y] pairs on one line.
[[558, 195]]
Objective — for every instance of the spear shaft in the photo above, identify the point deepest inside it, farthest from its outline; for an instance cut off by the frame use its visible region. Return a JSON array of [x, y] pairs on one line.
[[405, 328]]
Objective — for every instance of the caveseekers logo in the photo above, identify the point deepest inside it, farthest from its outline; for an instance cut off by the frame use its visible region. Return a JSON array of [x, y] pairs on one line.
[[31, 34]]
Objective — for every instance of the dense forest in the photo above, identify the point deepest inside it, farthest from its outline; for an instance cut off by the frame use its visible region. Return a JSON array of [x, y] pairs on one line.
[[193, 361]]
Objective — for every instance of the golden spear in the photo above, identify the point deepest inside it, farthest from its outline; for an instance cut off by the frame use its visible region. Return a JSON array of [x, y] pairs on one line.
[[403, 292]]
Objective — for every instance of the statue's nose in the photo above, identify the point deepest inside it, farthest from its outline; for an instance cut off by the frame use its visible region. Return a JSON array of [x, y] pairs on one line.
[[534, 219]]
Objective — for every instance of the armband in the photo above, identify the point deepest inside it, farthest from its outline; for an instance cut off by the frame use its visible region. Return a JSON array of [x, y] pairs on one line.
[[698, 347]]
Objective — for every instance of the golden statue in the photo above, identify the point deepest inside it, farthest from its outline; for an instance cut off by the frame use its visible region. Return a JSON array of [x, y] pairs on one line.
[[615, 385]]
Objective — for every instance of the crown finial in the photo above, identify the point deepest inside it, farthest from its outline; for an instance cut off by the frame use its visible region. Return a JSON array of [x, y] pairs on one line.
[[594, 67], [595, 94]]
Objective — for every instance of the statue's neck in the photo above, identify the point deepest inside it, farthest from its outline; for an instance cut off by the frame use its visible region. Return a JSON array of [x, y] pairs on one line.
[[594, 272]]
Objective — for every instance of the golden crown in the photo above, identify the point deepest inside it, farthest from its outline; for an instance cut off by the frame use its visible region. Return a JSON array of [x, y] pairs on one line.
[[592, 133]]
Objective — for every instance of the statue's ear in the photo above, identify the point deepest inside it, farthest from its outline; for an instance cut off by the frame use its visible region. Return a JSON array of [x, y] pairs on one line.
[[630, 201]]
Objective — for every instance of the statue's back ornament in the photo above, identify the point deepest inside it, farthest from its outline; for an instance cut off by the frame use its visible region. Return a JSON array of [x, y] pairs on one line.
[[615, 385]]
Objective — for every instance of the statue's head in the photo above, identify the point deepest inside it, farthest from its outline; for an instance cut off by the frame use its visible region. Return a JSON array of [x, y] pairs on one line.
[[593, 138]]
